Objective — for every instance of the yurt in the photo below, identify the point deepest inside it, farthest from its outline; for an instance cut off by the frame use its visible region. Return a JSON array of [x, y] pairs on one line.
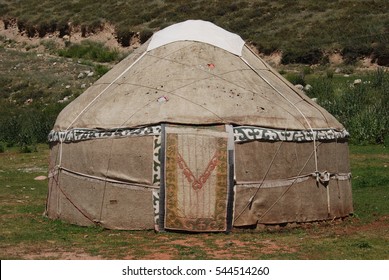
[[194, 132]]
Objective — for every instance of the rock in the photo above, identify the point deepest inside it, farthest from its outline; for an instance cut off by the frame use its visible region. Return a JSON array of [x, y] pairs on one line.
[[90, 74], [314, 99], [83, 86], [28, 101], [357, 81], [300, 87], [40, 178], [346, 75], [67, 86], [308, 87], [81, 75], [338, 70]]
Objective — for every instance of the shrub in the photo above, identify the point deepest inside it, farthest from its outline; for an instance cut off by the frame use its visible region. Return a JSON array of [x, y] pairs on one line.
[[144, 35], [90, 50], [351, 53], [27, 126], [296, 78], [124, 36], [46, 26], [301, 55], [63, 28], [381, 54], [101, 69], [362, 108]]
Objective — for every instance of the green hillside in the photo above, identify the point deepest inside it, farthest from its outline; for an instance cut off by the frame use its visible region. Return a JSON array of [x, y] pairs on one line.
[[305, 31], [41, 71]]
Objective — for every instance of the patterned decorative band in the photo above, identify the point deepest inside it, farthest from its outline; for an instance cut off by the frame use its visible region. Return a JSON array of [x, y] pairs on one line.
[[250, 133], [79, 134], [241, 134]]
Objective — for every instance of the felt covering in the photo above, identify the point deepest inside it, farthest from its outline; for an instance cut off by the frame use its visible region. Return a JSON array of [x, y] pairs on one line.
[[133, 149]]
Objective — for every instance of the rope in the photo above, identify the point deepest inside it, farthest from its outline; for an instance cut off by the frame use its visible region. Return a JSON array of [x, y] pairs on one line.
[[278, 199], [104, 90], [250, 202], [82, 111], [75, 206], [300, 112], [219, 76], [103, 179]]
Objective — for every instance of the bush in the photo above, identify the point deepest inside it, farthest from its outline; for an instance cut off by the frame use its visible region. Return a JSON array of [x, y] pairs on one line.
[[144, 35], [124, 36], [101, 69], [362, 109], [381, 54], [295, 78], [301, 55], [90, 50], [27, 126], [352, 53]]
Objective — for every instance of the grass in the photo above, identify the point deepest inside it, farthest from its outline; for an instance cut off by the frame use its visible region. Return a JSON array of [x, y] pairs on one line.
[[34, 85], [91, 51], [26, 234], [303, 30]]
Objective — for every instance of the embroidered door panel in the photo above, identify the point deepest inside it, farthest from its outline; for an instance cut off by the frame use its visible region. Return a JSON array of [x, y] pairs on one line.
[[196, 184]]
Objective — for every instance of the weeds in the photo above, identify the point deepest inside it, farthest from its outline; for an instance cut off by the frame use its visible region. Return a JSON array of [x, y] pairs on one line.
[[361, 108], [91, 51], [303, 33]]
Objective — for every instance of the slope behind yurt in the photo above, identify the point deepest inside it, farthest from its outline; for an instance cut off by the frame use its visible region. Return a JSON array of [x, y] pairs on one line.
[[195, 132]]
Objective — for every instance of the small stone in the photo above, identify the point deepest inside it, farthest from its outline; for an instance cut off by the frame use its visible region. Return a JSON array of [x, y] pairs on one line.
[[67, 86], [300, 87], [308, 87], [40, 178], [81, 75], [357, 81]]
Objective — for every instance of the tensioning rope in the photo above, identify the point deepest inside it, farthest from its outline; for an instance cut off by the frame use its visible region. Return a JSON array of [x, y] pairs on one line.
[[287, 99]]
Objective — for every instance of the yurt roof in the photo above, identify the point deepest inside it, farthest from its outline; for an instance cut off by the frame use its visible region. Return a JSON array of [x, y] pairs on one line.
[[194, 73]]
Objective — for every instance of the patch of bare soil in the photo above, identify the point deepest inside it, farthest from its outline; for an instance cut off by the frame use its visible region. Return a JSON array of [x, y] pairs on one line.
[[158, 255], [106, 36], [379, 225], [38, 253], [232, 247], [190, 241], [274, 59]]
